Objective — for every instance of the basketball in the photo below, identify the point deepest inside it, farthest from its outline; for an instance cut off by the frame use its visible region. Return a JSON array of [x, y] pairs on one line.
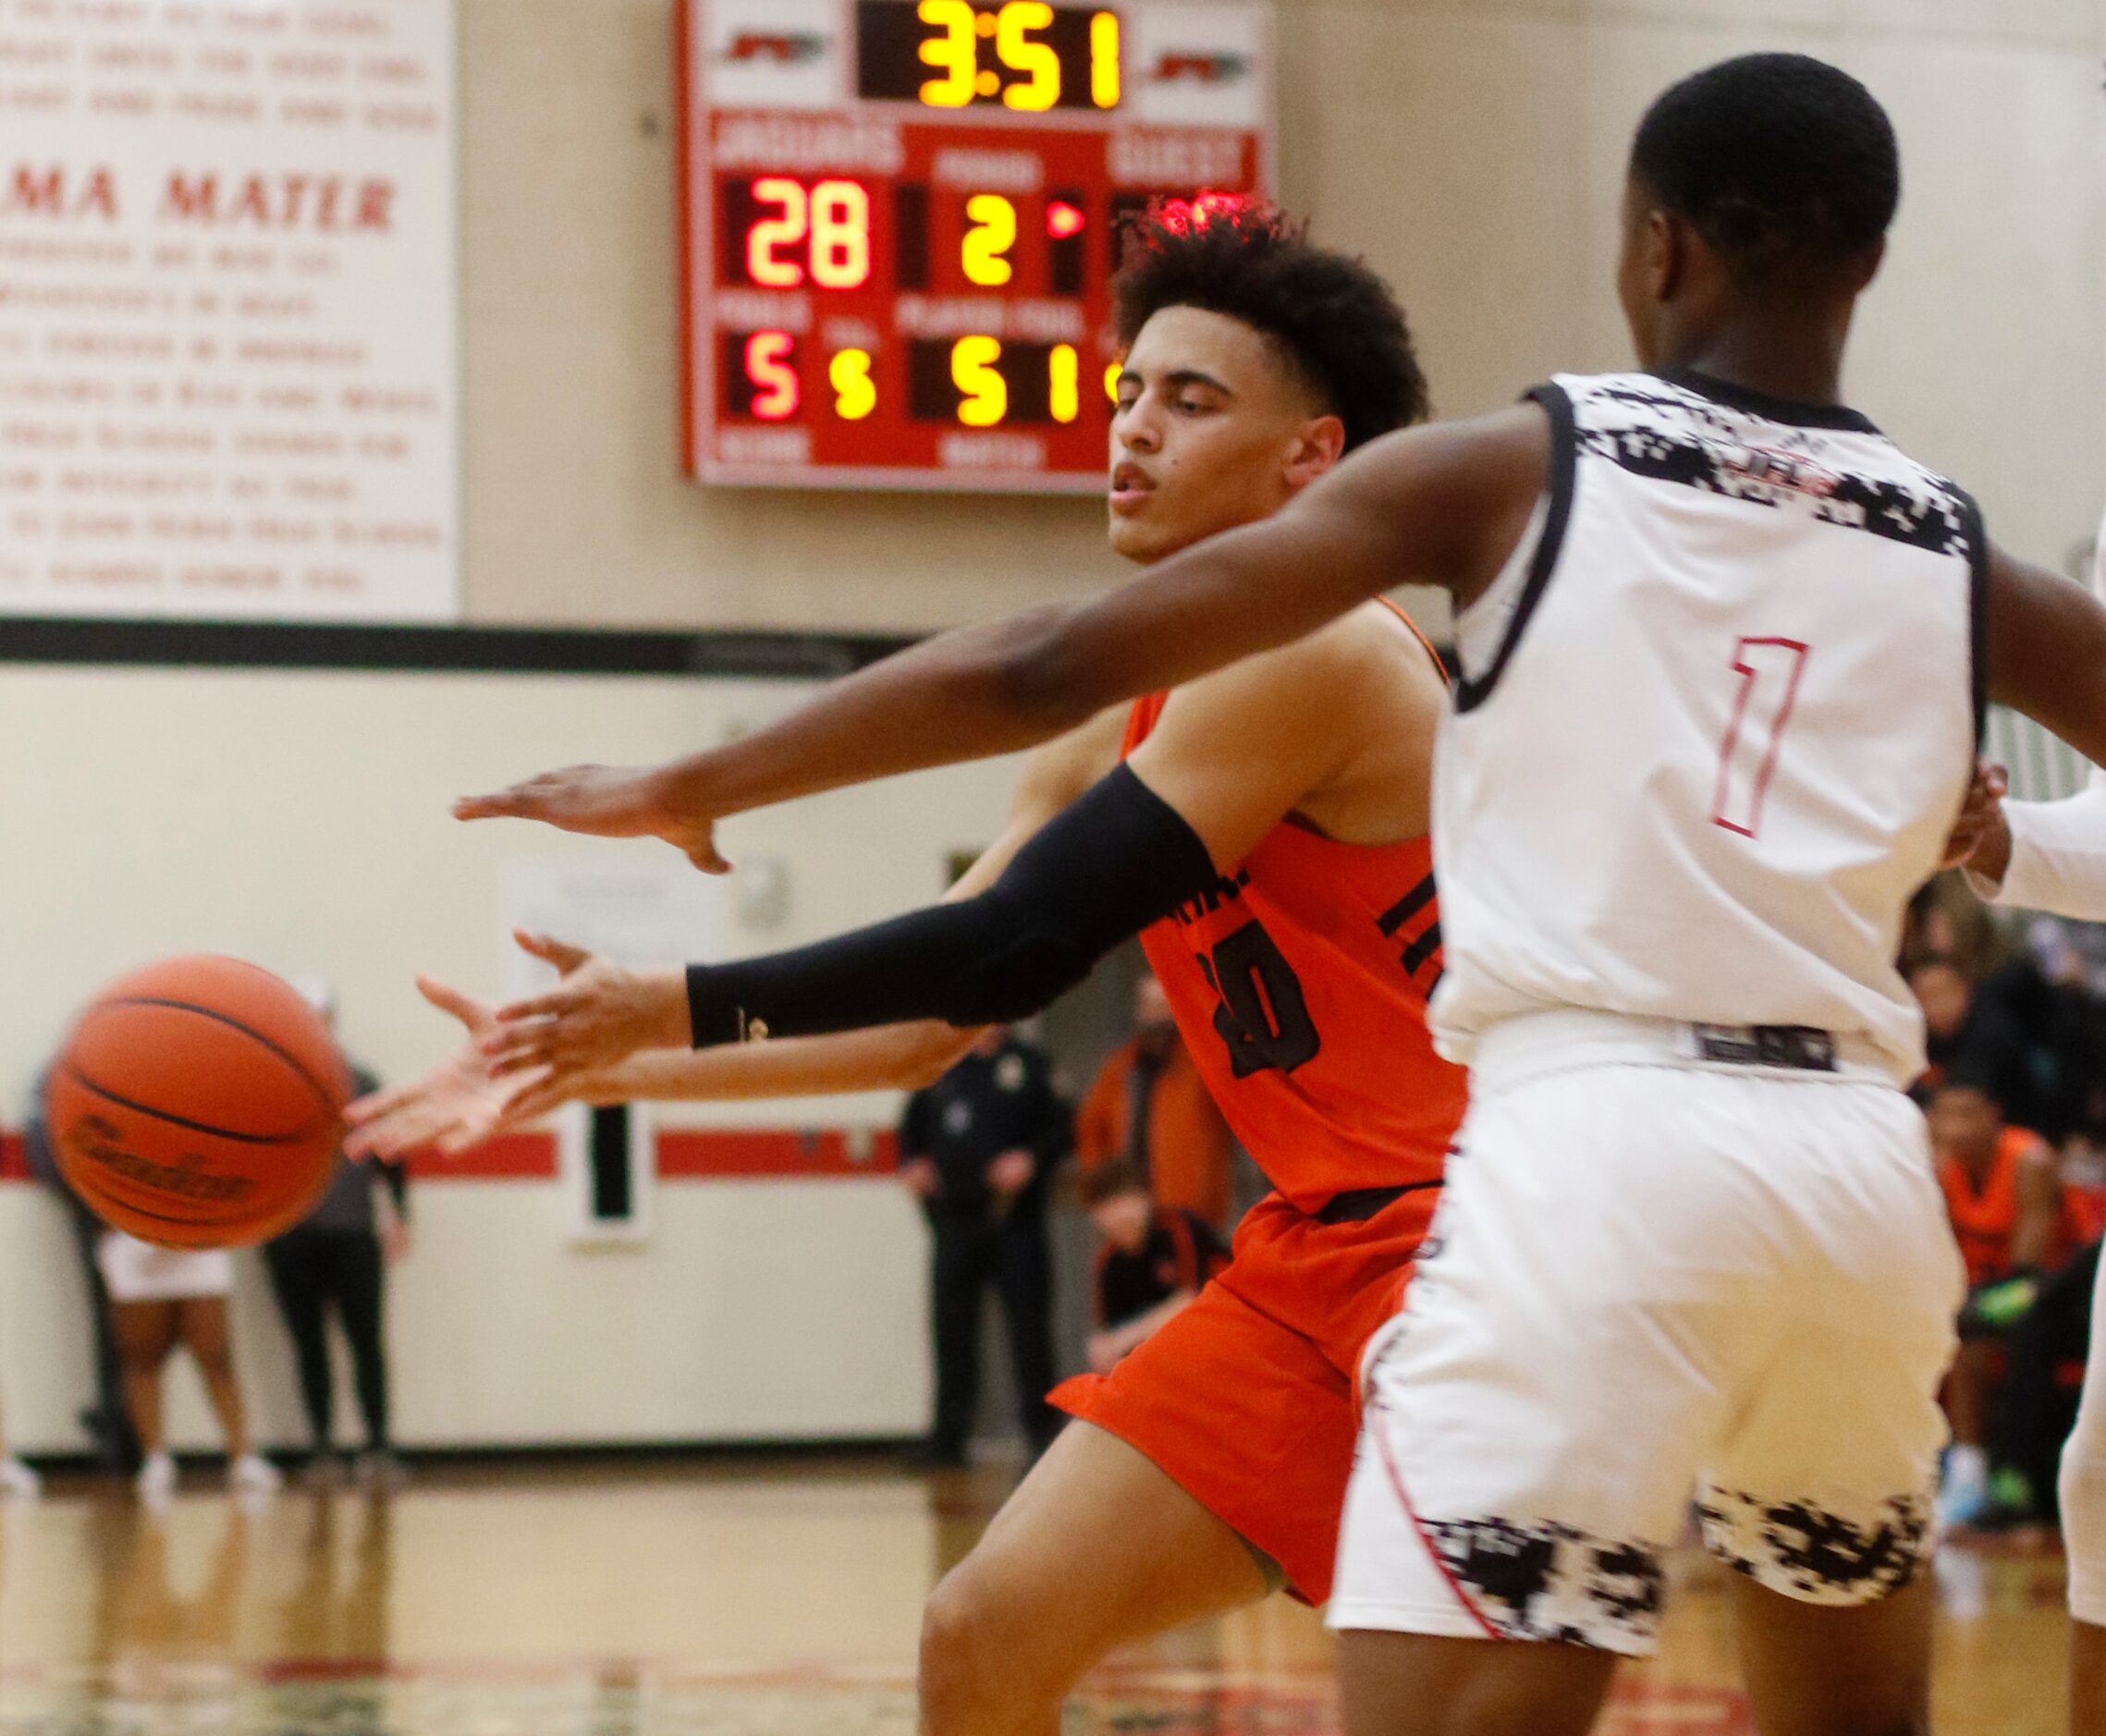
[[196, 1104]]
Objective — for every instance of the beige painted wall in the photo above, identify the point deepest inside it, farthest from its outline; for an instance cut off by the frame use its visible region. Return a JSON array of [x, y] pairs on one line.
[[300, 820], [1473, 149]]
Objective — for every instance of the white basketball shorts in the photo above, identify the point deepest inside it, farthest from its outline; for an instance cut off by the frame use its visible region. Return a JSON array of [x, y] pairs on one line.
[[1654, 1281], [136, 1271]]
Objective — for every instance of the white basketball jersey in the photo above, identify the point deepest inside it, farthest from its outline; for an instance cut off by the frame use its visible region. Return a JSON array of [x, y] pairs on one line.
[[1716, 721]]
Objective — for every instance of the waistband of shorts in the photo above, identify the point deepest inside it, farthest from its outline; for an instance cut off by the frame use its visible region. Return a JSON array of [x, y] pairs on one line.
[[1527, 1047]]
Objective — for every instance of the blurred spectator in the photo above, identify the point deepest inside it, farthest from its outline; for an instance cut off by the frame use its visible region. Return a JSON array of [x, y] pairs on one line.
[[2045, 1326], [1150, 1107], [162, 1297], [1967, 1031], [1151, 1261], [107, 1422], [2054, 991], [17, 1482], [1946, 919], [2013, 1219], [337, 1259], [977, 1147]]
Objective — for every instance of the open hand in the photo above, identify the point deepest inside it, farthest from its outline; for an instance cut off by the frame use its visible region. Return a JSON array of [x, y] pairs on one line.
[[603, 802], [458, 1104], [599, 1016], [461, 1102]]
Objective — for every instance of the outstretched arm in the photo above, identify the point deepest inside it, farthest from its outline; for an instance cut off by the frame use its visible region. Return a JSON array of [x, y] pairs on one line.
[[1231, 757], [464, 1101], [1441, 505]]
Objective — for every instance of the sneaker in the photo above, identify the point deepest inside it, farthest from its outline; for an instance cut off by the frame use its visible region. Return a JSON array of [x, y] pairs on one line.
[[379, 1471], [1965, 1496], [156, 1480], [17, 1481], [2010, 1505], [253, 1474]]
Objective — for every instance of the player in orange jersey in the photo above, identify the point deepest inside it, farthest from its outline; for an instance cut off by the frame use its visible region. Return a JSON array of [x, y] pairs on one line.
[[1269, 842], [2013, 1219]]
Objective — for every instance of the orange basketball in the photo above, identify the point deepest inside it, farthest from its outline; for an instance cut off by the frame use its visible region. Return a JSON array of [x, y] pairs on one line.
[[196, 1104]]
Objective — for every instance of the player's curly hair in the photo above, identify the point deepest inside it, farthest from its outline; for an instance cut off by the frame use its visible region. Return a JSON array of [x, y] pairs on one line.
[[1783, 163], [1331, 315]]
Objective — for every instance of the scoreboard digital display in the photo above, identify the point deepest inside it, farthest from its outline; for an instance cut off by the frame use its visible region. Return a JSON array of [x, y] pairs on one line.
[[902, 216]]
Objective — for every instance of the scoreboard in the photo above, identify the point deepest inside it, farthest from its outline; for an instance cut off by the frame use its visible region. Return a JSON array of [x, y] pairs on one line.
[[901, 218]]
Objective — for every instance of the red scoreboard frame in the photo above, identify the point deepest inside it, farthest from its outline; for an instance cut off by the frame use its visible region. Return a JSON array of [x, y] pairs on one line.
[[900, 219]]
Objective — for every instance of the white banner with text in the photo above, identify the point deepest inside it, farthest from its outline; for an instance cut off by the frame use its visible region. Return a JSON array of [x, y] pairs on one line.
[[229, 309]]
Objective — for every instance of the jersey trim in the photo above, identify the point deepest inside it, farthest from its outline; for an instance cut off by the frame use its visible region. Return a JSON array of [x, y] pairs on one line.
[[1563, 483], [1790, 411], [1977, 532], [1425, 644]]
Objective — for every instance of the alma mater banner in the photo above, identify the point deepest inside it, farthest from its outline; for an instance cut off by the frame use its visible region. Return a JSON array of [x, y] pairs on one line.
[[228, 309]]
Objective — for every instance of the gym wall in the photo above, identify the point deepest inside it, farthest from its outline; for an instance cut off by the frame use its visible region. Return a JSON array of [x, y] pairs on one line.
[[1473, 149], [299, 819]]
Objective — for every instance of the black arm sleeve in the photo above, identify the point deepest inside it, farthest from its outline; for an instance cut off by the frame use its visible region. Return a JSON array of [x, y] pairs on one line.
[[1116, 860]]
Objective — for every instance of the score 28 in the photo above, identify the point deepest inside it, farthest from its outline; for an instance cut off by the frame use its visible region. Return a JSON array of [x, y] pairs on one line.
[[830, 225]]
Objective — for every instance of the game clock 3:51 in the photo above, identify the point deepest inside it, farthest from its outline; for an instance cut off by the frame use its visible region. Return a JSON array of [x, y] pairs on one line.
[[1025, 55]]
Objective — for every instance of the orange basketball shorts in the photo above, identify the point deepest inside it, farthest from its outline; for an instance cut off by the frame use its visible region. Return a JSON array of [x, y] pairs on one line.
[[1248, 1399]]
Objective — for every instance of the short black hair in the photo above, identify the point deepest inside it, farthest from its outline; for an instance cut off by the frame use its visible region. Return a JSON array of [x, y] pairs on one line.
[[1783, 163], [1974, 1073], [1333, 316]]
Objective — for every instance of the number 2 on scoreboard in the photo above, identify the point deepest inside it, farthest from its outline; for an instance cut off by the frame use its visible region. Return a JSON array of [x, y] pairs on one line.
[[1770, 671]]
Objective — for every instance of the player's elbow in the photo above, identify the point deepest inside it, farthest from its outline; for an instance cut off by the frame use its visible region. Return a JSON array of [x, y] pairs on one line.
[[1042, 673]]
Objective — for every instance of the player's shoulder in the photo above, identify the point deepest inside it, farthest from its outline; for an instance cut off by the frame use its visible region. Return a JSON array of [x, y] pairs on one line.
[[1369, 652]]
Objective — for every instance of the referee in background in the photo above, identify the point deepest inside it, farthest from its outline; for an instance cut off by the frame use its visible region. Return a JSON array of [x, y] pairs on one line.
[[979, 1147]]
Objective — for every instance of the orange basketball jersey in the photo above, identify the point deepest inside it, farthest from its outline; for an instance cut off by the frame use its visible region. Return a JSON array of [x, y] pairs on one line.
[[1300, 983], [1983, 1223]]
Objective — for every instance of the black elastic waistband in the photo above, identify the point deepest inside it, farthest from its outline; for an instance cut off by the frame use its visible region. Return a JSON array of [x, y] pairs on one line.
[[1361, 1204]]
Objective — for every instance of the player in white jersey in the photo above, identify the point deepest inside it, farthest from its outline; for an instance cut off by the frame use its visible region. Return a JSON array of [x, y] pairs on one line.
[[1725, 651], [2051, 856]]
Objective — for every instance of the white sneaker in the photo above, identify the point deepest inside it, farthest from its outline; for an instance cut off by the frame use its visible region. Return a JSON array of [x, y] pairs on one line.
[[253, 1474], [1964, 1495], [156, 1482], [17, 1481]]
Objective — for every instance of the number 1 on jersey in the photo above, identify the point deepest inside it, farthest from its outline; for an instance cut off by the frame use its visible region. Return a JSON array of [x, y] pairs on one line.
[[1770, 670]]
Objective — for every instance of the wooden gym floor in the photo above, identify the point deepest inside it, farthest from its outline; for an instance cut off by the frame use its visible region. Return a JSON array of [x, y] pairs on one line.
[[719, 1599]]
